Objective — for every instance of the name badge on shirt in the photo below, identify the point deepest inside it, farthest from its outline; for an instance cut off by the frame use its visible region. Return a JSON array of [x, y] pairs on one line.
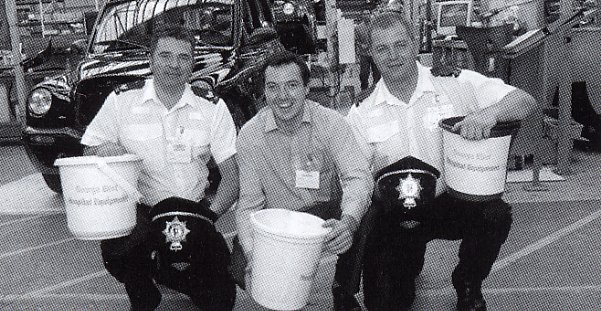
[[307, 179], [435, 114], [179, 150]]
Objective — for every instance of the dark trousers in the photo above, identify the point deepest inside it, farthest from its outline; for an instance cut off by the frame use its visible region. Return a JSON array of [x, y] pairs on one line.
[[129, 260], [394, 254], [367, 66], [348, 267]]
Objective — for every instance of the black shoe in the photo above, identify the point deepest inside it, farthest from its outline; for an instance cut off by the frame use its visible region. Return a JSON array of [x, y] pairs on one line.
[[470, 299], [344, 301], [143, 295], [469, 294]]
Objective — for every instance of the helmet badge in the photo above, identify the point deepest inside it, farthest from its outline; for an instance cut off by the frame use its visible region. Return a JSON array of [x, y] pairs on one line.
[[409, 189], [175, 232]]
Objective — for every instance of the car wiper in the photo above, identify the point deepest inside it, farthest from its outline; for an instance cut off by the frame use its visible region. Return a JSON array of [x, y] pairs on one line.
[[129, 43]]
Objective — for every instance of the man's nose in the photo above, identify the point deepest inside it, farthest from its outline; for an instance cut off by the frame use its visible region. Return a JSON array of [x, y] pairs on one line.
[[173, 62], [394, 54], [283, 92]]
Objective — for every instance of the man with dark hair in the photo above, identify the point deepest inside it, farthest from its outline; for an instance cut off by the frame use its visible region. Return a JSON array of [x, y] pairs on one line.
[[171, 31], [298, 155], [175, 132], [397, 125]]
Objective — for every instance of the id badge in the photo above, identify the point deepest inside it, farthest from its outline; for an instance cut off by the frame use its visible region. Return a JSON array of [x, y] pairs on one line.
[[307, 179], [179, 152]]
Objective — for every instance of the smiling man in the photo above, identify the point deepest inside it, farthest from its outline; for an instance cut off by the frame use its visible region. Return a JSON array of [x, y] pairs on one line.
[[399, 119], [297, 155], [175, 131]]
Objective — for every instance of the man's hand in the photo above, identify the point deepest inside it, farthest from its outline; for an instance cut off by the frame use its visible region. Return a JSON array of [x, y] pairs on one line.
[[249, 261], [340, 238], [105, 150], [476, 125]]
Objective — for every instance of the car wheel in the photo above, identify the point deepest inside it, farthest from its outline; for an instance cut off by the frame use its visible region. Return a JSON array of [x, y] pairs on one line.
[[53, 182]]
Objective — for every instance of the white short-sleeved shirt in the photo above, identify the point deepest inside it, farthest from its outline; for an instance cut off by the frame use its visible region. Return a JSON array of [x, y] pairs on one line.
[[389, 129], [137, 120]]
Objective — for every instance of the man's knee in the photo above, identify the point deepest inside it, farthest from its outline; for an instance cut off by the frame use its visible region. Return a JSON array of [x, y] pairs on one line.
[[213, 292], [113, 258], [122, 257], [498, 218], [498, 212], [385, 287]]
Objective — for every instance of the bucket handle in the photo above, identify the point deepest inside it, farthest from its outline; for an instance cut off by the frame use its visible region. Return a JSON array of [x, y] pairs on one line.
[[126, 186]]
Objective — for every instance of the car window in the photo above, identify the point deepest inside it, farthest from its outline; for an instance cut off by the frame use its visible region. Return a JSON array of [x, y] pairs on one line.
[[127, 25]]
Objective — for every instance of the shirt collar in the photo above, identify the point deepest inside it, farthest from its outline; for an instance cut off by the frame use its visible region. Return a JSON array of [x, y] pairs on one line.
[[269, 118], [149, 95], [383, 95], [424, 85]]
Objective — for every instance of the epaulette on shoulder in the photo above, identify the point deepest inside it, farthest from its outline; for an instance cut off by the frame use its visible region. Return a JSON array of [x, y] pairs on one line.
[[206, 94], [445, 71], [132, 85], [364, 94]]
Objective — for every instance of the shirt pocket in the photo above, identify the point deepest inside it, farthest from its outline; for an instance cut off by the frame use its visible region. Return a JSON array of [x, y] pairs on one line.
[[200, 142], [382, 132], [143, 132]]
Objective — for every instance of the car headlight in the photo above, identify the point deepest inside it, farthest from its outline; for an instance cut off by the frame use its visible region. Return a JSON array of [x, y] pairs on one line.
[[288, 8], [39, 102], [207, 87], [202, 84]]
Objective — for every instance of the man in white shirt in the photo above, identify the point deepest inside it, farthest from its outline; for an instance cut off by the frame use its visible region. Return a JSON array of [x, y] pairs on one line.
[[175, 132], [399, 119]]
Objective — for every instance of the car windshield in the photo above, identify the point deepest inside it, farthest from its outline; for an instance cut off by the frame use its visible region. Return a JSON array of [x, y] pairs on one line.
[[129, 24]]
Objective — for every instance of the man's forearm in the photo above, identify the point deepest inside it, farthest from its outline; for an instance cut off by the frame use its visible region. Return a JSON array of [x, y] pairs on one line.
[[105, 150], [356, 194], [228, 190], [351, 222], [227, 194], [244, 228], [516, 105]]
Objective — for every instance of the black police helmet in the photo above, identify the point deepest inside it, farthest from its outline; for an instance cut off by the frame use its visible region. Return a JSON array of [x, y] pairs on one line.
[[406, 184], [182, 231]]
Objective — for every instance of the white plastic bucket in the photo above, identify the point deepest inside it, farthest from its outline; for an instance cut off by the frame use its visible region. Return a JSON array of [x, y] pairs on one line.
[[476, 170], [100, 195], [286, 250]]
